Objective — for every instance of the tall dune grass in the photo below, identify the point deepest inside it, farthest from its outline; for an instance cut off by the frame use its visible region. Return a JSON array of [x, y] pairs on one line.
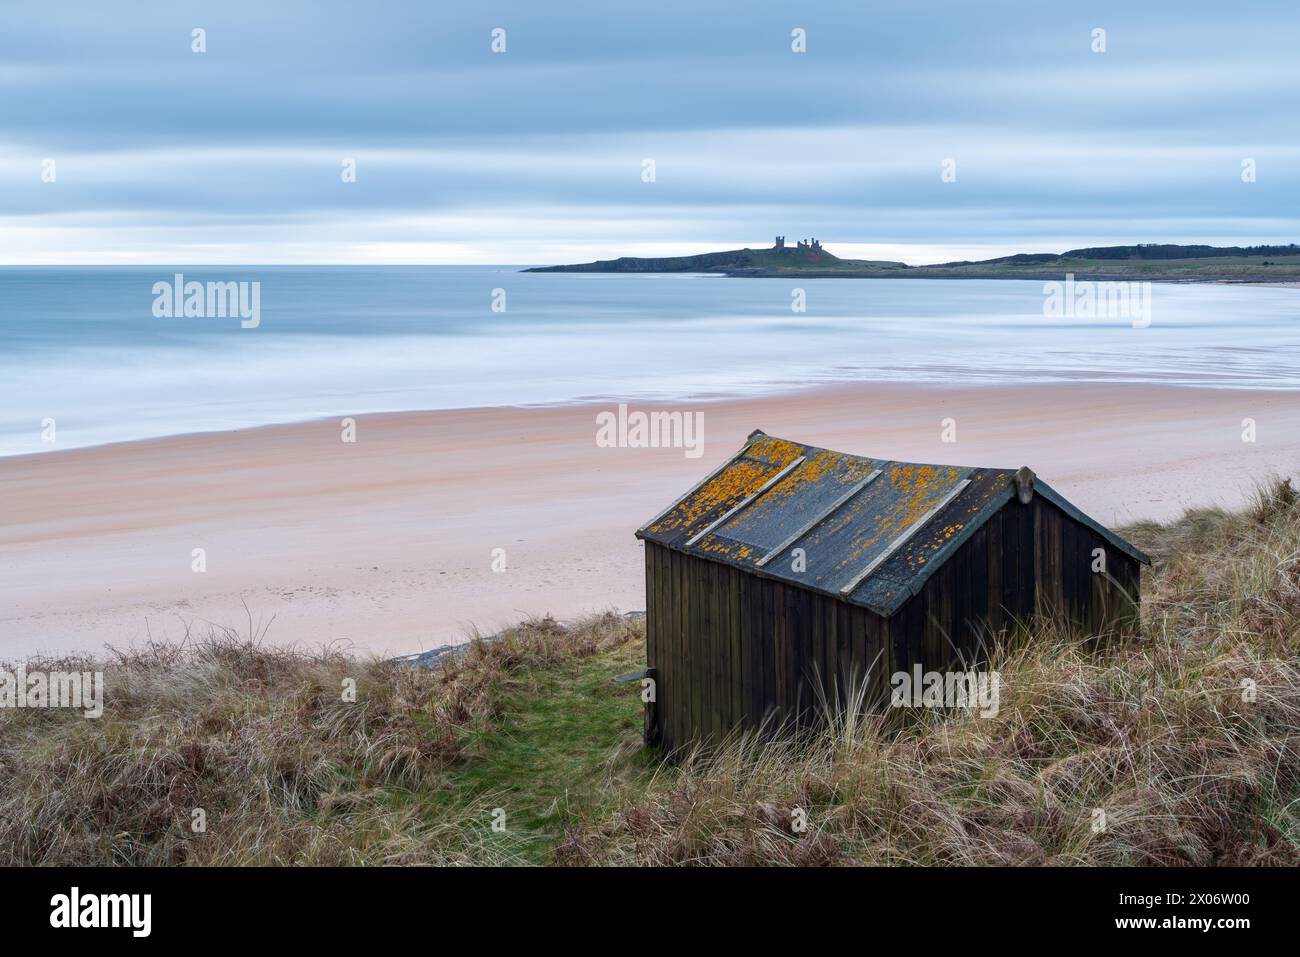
[[1181, 746], [262, 742]]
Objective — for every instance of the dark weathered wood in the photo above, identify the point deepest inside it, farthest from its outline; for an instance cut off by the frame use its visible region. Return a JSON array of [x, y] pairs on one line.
[[653, 734], [734, 650], [995, 609], [739, 710], [725, 691]]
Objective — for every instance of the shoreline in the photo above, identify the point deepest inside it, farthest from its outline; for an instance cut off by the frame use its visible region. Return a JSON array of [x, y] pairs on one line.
[[386, 545], [679, 402]]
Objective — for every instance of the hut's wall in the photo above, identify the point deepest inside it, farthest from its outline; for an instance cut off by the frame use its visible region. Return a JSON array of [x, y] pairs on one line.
[[1027, 561], [1066, 584], [732, 649]]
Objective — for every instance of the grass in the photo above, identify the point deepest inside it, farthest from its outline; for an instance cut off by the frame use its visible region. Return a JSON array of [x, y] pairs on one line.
[[1179, 746], [569, 740], [283, 768]]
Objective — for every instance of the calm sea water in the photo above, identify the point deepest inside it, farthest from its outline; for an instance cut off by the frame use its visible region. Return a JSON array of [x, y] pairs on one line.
[[83, 347]]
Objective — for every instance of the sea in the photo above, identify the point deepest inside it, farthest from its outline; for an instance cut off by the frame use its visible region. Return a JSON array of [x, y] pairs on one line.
[[91, 355]]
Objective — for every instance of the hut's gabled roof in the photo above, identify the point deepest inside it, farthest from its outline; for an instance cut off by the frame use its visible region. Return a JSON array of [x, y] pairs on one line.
[[873, 530]]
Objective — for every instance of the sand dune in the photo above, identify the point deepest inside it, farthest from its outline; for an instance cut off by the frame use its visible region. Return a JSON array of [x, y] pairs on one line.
[[388, 543]]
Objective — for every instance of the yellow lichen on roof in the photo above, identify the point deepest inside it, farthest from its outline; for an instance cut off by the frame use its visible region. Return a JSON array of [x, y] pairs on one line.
[[941, 538], [731, 484], [815, 468], [761, 460], [780, 452], [921, 486], [740, 478]]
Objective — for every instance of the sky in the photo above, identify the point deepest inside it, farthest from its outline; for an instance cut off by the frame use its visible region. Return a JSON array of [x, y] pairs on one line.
[[121, 144]]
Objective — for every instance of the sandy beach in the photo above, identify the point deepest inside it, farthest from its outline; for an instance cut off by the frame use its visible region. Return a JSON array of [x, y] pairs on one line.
[[387, 544]]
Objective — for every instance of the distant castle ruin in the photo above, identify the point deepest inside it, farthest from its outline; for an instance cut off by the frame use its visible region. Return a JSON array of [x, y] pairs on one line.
[[803, 243]]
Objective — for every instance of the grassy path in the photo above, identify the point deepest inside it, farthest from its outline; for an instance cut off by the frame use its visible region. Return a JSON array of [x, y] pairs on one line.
[[566, 745]]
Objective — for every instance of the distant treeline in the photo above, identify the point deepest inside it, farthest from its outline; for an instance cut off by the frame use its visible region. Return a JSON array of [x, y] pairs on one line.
[[1169, 251], [1151, 251]]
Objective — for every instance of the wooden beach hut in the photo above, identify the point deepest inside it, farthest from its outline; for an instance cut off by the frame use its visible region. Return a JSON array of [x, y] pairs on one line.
[[792, 574]]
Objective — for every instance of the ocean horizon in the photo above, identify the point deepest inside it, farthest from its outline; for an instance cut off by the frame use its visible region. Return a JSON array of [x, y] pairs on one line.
[[86, 348]]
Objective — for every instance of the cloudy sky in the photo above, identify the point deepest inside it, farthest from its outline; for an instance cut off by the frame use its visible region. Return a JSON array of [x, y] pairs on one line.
[[463, 155]]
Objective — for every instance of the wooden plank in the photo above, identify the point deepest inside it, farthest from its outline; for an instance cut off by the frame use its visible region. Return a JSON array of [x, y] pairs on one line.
[[775, 610], [814, 657], [800, 645], [1027, 568], [750, 653], [705, 668], [685, 683], [674, 684], [936, 626], [1070, 602], [835, 661], [794, 659], [852, 638], [709, 632], [788, 617], [803, 627], [766, 635], [1098, 604], [1040, 559], [1055, 550], [691, 626], [719, 681], [973, 623], [667, 653], [851, 644], [738, 711], [877, 657], [653, 626], [700, 645], [915, 621], [1013, 584], [816, 654], [709, 573], [652, 734], [722, 579], [652, 588], [993, 600], [830, 616], [671, 683]]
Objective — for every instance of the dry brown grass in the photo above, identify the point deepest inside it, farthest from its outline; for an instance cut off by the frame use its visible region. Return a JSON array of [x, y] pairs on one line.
[[262, 740], [1156, 732]]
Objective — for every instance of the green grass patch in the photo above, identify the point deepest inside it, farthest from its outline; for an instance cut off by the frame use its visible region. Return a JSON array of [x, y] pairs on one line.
[[566, 746]]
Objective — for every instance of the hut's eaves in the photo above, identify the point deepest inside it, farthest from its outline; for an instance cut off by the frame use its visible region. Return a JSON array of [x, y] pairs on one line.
[[872, 530]]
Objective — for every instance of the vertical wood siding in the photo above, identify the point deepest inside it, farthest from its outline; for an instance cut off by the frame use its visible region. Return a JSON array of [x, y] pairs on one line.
[[732, 650]]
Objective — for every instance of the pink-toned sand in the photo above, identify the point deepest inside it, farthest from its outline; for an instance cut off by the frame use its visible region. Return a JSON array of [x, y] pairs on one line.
[[387, 544]]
